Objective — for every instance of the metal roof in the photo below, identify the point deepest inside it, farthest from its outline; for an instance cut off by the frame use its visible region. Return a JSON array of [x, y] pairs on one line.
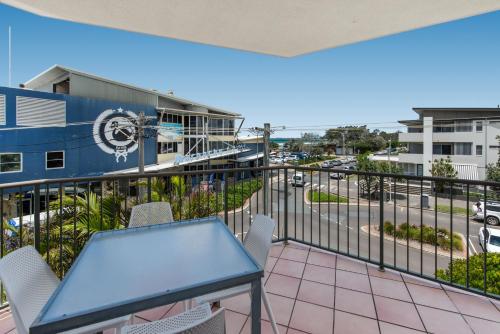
[[57, 71], [279, 27]]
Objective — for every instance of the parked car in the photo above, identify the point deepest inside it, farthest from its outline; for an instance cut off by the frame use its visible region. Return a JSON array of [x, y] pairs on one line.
[[298, 180], [334, 163], [326, 164], [492, 212], [336, 175], [489, 239]]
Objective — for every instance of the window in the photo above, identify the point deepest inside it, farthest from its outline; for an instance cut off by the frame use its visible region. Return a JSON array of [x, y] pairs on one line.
[[415, 130], [441, 126], [415, 148], [479, 126], [164, 148], [479, 149], [11, 162], [463, 126], [463, 149], [54, 160], [442, 149]]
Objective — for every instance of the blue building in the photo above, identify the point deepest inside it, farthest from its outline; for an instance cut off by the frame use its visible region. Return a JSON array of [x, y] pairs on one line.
[[50, 135]]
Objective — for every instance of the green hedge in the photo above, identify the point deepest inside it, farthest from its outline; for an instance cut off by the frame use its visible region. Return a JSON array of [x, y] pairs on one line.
[[315, 196], [429, 235], [476, 272]]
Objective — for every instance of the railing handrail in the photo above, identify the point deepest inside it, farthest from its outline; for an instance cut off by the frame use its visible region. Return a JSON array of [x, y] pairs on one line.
[[242, 169]]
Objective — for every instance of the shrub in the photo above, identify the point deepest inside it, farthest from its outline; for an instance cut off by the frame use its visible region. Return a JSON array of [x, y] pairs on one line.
[[429, 235], [476, 272], [388, 228]]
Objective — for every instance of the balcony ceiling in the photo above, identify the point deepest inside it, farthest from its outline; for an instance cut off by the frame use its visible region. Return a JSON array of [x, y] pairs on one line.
[[281, 27]]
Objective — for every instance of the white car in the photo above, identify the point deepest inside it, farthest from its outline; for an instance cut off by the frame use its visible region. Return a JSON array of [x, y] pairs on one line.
[[492, 212], [489, 239], [298, 180]]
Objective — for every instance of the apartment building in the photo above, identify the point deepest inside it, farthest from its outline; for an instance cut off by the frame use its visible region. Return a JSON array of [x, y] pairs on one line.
[[68, 123], [467, 135]]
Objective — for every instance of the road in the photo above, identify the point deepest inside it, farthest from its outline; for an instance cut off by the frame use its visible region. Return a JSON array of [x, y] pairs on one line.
[[339, 226]]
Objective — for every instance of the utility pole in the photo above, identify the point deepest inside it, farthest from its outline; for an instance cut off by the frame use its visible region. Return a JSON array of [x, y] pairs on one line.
[[390, 166], [267, 135], [10, 57], [141, 121]]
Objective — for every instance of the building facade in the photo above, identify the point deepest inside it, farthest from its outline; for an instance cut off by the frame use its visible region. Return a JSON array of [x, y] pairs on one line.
[[468, 136], [68, 123], [51, 135]]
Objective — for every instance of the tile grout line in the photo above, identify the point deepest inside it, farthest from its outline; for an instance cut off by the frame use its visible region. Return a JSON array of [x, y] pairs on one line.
[[373, 300], [334, 295], [459, 311], [300, 284], [414, 305]]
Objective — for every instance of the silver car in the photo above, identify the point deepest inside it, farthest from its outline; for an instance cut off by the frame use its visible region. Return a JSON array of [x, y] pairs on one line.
[[492, 212]]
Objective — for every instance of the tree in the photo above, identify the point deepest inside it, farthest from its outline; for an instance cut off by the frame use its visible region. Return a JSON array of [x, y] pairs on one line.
[[442, 168], [476, 272]]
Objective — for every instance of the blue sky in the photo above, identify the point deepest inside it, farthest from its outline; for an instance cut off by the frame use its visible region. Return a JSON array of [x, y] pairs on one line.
[[455, 64]]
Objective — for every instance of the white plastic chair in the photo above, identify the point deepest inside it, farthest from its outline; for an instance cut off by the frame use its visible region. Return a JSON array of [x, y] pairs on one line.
[[257, 242], [198, 320], [150, 214], [29, 282]]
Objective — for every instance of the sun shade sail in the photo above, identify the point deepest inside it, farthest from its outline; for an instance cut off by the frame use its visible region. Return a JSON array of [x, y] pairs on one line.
[[278, 27]]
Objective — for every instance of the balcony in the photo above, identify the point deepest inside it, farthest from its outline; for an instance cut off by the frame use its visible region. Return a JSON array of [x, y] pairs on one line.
[[329, 269]]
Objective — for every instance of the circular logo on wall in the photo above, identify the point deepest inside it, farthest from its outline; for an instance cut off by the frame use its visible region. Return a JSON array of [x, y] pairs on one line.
[[115, 132]]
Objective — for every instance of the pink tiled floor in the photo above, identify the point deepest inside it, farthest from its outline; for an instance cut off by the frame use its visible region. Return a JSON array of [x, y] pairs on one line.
[[316, 292]]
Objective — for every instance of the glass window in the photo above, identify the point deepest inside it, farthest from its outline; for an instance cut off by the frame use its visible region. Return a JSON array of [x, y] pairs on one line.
[[54, 160], [479, 149], [10, 162], [415, 148], [479, 126], [440, 126], [463, 148], [442, 149], [415, 130], [463, 126]]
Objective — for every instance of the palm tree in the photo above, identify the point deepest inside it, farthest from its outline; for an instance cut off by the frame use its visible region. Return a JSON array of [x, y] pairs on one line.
[[75, 221]]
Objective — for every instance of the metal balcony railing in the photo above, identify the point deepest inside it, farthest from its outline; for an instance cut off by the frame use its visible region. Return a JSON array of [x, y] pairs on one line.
[[385, 219]]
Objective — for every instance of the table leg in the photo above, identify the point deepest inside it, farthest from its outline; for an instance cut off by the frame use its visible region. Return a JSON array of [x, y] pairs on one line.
[[256, 301]]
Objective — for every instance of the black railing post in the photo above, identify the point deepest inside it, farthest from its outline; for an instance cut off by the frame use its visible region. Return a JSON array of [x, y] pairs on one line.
[[149, 189], [381, 223], [226, 214], [285, 180], [37, 216]]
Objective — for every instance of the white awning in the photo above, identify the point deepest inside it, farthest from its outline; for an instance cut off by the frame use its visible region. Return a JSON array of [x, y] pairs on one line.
[[182, 161], [279, 27], [466, 171], [250, 157]]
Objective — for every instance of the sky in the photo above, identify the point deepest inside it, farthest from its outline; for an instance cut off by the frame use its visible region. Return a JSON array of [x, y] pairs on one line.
[[377, 82]]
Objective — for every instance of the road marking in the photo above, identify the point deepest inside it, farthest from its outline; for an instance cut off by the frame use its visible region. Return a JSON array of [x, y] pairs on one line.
[[472, 245]]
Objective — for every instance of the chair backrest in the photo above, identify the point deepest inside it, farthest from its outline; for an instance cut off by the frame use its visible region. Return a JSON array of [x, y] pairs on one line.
[[216, 324], [29, 282], [150, 214], [259, 238]]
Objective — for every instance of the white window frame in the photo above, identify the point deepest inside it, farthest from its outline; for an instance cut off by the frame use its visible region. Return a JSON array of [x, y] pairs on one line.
[[64, 160], [20, 162]]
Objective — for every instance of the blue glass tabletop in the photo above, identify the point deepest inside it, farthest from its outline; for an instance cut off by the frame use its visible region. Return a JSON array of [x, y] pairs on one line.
[[123, 266]]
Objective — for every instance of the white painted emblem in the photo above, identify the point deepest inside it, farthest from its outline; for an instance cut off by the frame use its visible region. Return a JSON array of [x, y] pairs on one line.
[[115, 132]]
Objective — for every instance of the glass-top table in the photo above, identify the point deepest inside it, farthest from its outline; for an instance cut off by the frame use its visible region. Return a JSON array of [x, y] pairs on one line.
[[125, 271]]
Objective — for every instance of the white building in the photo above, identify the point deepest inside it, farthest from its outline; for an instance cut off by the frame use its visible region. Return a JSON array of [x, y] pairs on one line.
[[466, 135]]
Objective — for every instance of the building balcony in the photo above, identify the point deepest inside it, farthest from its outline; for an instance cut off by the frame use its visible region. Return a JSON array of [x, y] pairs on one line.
[[329, 269]]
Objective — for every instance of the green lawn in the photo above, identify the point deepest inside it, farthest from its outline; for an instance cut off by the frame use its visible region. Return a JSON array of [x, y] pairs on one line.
[[456, 210], [316, 196]]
